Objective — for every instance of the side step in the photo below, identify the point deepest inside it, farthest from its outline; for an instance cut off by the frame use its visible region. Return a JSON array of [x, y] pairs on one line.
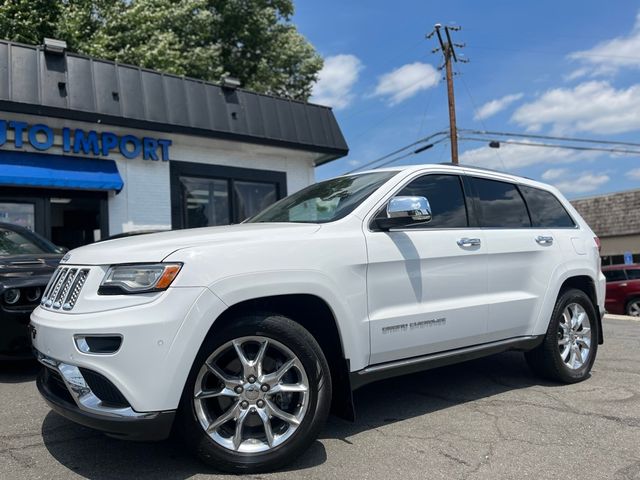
[[426, 362]]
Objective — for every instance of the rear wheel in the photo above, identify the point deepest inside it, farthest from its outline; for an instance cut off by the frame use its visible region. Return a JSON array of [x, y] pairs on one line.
[[257, 396], [569, 348], [633, 307]]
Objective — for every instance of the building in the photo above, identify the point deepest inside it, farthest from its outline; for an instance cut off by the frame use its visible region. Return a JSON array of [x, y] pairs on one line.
[[91, 148], [615, 218]]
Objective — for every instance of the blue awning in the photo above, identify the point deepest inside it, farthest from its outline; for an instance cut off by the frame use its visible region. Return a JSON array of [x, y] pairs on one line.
[[58, 171]]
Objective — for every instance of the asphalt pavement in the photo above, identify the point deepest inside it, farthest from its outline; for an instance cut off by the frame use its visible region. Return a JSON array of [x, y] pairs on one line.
[[485, 419]]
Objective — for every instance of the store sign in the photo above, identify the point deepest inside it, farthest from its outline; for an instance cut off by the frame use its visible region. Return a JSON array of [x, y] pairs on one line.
[[41, 137]]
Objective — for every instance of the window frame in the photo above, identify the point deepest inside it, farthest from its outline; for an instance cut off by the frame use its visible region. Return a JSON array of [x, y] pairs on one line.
[[398, 188], [206, 171]]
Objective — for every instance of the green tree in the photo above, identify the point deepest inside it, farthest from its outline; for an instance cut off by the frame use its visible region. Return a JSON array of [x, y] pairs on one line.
[[29, 21], [253, 40]]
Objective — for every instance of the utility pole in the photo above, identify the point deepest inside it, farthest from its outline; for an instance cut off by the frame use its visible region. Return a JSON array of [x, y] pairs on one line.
[[448, 49]]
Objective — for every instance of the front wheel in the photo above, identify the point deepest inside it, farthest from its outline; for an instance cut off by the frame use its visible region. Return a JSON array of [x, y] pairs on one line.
[[257, 396], [569, 348]]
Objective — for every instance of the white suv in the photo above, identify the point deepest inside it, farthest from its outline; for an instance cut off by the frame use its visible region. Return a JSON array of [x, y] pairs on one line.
[[242, 338]]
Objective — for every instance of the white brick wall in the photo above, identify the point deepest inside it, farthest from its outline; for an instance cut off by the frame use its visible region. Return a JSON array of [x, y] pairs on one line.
[[145, 201]]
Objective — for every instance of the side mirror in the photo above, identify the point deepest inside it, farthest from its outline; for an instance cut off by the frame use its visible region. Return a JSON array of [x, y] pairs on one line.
[[403, 211]]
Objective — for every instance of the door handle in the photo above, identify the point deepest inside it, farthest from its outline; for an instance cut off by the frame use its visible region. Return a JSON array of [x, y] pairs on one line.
[[469, 242], [544, 240]]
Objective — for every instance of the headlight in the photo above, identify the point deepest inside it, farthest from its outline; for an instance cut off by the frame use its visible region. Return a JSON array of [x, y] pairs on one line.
[[12, 296], [140, 278]]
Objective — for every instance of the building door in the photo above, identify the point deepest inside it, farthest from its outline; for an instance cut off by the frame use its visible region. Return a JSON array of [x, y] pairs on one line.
[[68, 218]]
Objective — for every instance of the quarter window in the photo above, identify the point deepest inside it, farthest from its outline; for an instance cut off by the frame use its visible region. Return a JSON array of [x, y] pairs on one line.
[[500, 204], [545, 209], [445, 195]]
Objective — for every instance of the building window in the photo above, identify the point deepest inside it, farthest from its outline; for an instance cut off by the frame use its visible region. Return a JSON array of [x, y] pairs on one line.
[[205, 202], [208, 195]]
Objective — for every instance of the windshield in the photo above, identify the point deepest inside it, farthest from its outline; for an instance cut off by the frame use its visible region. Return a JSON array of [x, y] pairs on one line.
[[325, 201], [15, 243]]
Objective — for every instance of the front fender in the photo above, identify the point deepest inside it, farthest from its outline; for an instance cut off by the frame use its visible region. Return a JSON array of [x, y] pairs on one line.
[[347, 301]]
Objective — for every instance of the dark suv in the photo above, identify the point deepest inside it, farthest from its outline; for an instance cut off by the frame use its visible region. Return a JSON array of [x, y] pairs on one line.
[[623, 289]]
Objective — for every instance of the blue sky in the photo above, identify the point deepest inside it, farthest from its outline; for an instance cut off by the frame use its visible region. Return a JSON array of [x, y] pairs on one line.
[[566, 68]]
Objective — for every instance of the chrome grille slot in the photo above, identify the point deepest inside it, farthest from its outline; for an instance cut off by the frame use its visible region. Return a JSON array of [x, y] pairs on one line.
[[51, 285], [64, 288], [74, 291]]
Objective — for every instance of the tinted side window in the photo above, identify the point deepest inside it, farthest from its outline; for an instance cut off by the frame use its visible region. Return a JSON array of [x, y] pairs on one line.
[[545, 209], [500, 203], [614, 275], [445, 196], [633, 274]]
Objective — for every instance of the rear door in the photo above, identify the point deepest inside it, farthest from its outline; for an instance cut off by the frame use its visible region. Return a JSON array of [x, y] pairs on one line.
[[523, 254], [426, 283]]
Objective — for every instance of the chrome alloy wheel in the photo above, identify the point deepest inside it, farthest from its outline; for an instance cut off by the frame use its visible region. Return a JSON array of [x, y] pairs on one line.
[[574, 336], [251, 394], [633, 308]]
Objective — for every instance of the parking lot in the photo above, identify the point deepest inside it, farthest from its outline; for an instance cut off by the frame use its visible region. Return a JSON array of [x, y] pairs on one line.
[[486, 419]]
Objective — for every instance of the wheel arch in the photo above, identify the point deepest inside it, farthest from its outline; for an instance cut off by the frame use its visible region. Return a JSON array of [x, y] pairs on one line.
[[315, 315], [586, 284]]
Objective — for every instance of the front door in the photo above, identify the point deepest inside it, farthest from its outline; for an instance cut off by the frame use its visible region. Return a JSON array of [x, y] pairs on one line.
[[426, 284]]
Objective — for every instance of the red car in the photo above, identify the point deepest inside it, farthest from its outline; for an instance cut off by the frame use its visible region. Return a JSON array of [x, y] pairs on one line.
[[623, 289]]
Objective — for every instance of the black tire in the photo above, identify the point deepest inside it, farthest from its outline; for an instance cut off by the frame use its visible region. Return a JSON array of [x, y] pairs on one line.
[[546, 361], [629, 305], [305, 347]]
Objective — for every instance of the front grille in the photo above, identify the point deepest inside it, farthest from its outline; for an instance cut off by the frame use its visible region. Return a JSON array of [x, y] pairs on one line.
[[64, 288], [104, 389]]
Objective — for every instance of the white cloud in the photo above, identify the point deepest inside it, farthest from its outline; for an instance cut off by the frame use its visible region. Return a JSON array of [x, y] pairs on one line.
[[555, 173], [494, 106], [336, 80], [634, 174], [404, 82], [519, 156], [583, 183], [594, 106], [577, 73], [609, 56]]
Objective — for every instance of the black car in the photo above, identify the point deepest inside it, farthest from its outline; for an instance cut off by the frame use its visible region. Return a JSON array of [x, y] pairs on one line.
[[26, 263]]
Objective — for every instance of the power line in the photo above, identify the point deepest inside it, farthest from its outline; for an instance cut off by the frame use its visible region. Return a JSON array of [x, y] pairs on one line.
[[399, 150], [415, 152], [554, 145], [548, 137], [476, 115]]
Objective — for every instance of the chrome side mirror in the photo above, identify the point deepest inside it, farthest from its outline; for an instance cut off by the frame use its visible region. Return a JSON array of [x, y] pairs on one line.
[[415, 208], [403, 211]]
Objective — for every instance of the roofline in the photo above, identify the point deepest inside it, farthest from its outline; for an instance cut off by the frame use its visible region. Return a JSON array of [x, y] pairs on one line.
[[609, 194], [92, 117], [69, 53]]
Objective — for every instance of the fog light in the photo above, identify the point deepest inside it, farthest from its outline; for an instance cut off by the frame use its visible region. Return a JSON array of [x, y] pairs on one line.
[[12, 296], [33, 294]]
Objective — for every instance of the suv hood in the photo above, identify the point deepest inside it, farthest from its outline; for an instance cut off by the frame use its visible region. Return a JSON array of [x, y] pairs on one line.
[[155, 247]]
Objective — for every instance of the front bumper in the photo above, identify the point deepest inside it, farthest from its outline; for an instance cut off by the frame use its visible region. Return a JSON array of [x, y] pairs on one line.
[[68, 393], [160, 340]]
